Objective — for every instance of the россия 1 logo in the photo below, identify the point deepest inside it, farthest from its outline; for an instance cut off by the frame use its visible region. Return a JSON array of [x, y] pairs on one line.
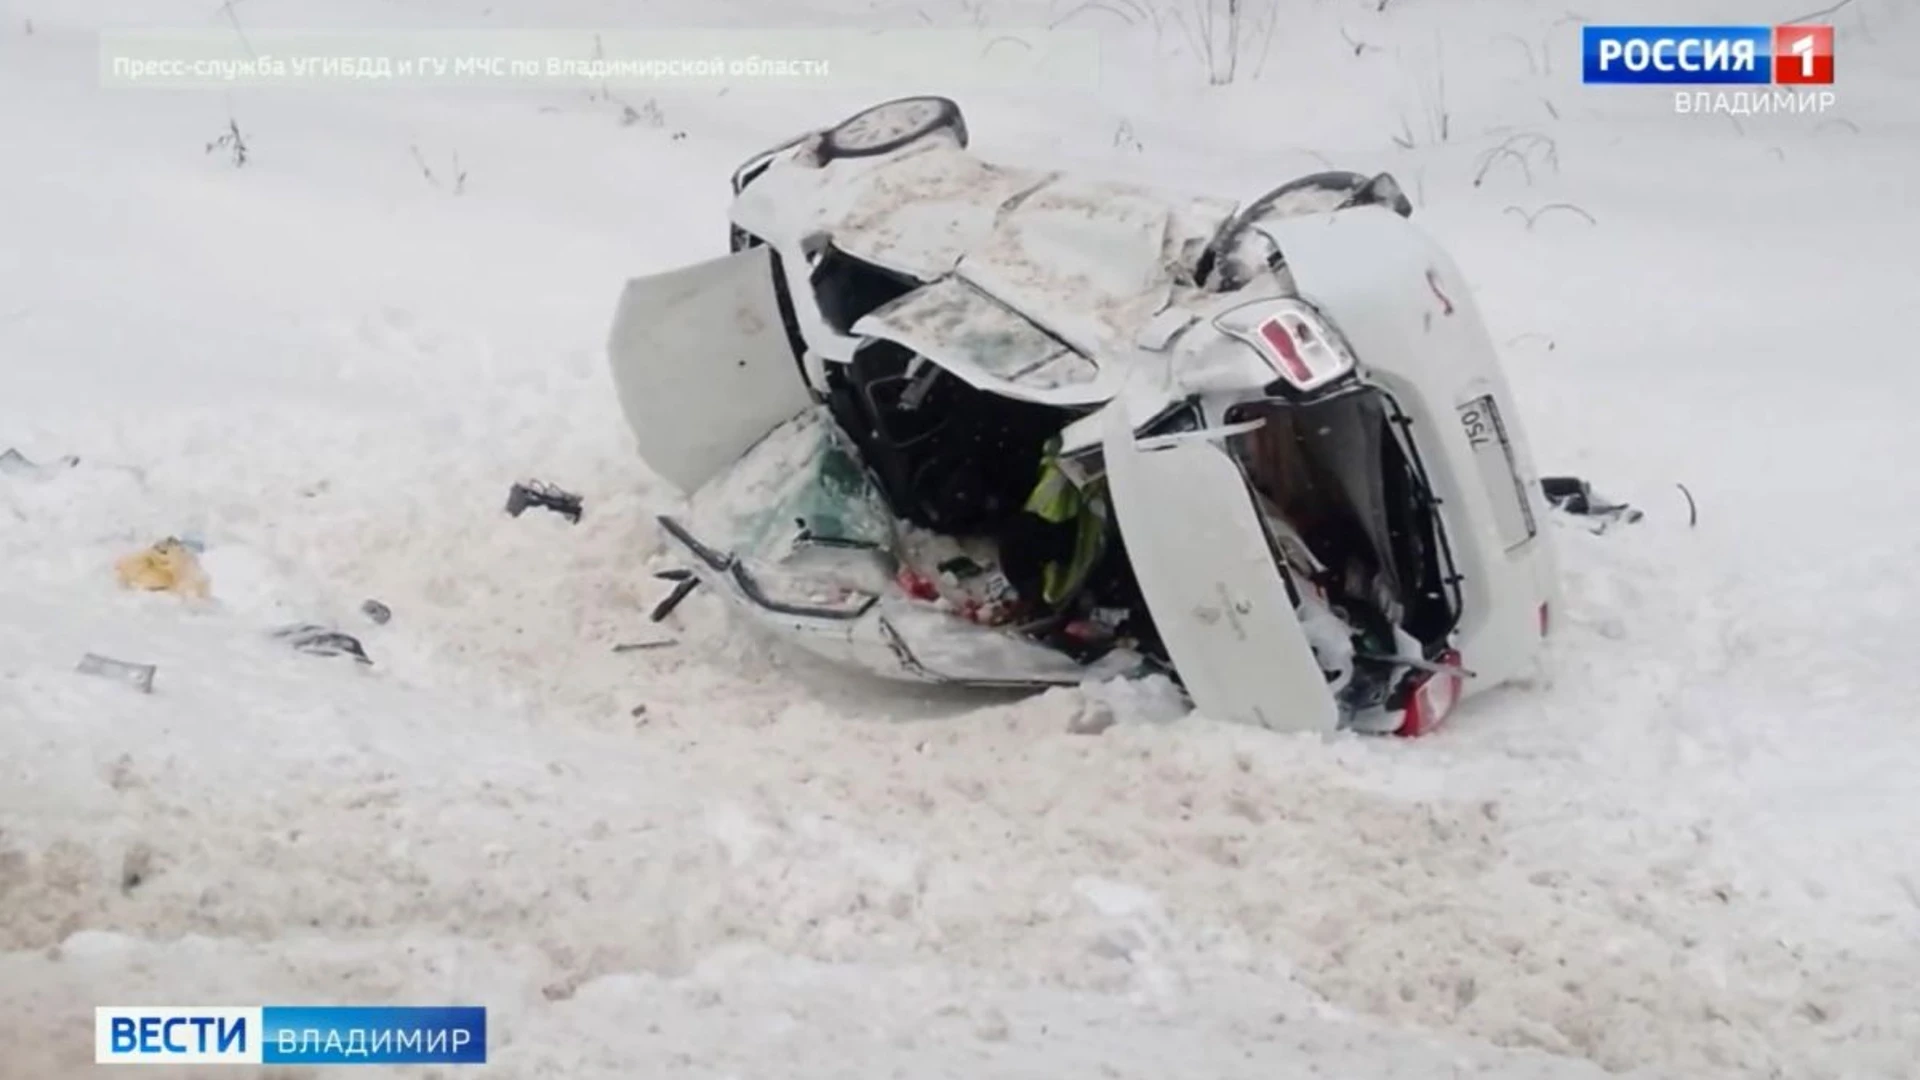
[[1708, 55]]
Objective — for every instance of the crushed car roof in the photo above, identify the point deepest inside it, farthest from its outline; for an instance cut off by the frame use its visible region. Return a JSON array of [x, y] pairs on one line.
[[1089, 260]]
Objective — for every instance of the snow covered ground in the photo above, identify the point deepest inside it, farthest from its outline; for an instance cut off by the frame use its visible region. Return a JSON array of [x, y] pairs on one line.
[[1690, 855]]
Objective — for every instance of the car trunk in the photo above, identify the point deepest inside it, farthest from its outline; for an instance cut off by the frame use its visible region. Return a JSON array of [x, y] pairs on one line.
[[1339, 474]]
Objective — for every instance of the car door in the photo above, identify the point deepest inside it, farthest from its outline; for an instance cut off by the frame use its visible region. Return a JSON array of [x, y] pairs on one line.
[[1201, 555], [703, 364]]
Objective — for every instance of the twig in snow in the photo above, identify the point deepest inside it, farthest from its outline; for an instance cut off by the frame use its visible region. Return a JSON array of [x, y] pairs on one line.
[[1850, 125], [227, 8], [459, 173], [1530, 218], [1546, 39], [1090, 6], [425, 169], [1533, 66], [1822, 13], [232, 142], [1500, 153], [648, 113], [635, 646], [1266, 42], [1006, 39], [1359, 47], [1693, 510], [1404, 140]]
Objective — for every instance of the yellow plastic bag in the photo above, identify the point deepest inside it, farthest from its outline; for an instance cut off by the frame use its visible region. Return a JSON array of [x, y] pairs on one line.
[[168, 566]]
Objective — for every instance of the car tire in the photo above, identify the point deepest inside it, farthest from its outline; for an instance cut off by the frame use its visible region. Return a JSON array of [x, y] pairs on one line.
[[1343, 189], [890, 125]]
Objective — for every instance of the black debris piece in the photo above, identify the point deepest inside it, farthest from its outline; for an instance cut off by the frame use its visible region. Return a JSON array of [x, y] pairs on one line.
[[636, 646], [318, 640], [1575, 496], [682, 588], [377, 611], [806, 537], [545, 496]]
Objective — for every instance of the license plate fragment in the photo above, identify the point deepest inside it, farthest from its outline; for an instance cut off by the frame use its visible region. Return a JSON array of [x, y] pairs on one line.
[[1493, 454]]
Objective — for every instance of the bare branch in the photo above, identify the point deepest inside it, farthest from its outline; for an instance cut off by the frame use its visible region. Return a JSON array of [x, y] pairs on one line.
[[1533, 66], [1822, 13], [1498, 154], [1531, 218]]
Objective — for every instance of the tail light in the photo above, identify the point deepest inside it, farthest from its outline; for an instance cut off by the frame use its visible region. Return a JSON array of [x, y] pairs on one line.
[[1433, 697], [1293, 339]]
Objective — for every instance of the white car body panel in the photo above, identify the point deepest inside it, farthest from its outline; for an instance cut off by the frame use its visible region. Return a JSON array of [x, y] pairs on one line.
[[1404, 309], [1043, 288], [696, 400], [1207, 570]]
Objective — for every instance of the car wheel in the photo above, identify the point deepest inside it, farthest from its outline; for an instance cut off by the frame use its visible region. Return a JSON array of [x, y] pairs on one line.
[[891, 125]]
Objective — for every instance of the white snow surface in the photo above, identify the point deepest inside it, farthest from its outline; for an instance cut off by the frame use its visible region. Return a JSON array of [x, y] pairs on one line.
[[1688, 853]]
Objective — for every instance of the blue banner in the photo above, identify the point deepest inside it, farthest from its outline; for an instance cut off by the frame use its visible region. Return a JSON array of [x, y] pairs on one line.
[[359, 1035], [1677, 55]]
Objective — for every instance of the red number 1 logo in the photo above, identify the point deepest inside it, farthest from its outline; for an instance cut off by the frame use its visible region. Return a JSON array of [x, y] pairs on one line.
[[1803, 55]]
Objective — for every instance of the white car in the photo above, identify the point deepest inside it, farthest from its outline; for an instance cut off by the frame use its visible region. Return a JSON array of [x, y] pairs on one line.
[[949, 420]]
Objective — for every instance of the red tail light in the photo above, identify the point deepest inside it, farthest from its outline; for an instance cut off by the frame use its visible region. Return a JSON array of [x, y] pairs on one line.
[[1433, 698], [1274, 333], [1296, 343]]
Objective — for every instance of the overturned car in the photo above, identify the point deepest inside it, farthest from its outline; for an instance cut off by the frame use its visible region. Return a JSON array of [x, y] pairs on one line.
[[947, 420]]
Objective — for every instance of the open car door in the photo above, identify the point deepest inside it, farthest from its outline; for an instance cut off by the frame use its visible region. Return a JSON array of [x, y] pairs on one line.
[[703, 365], [1209, 577]]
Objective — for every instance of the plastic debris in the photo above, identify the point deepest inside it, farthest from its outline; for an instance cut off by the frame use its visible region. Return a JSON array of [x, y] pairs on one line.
[[138, 676], [1575, 496], [15, 463], [377, 611], [319, 640], [168, 566], [545, 496], [683, 585]]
